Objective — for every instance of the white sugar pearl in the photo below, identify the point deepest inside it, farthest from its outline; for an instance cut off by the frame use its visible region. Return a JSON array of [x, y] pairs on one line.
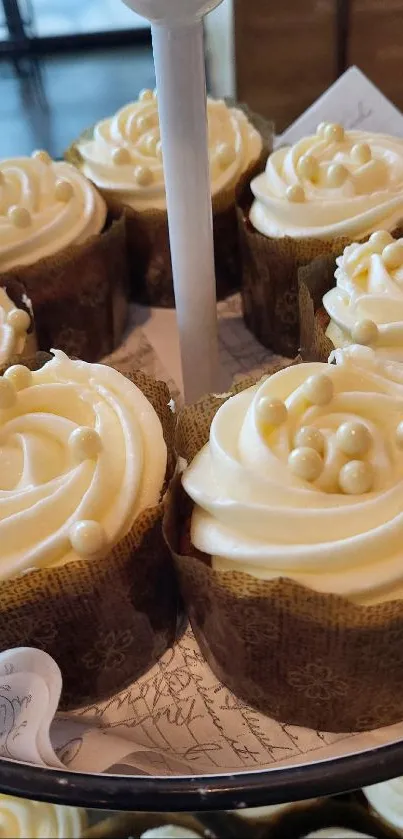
[[399, 435], [311, 438], [295, 194], [364, 332], [85, 443], [319, 389], [19, 320], [308, 167], [43, 156], [356, 477], [63, 190], [334, 133], [392, 256], [305, 463], [380, 240], [146, 95], [8, 394], [361, 153], [321, 129], [19, 376], [87, 538], [336, 175], [225, 155], [353, 438], [121, 156], [272, 411], [19, 216], [143, 175]]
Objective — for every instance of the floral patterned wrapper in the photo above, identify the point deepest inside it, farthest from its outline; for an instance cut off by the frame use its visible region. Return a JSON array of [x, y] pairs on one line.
[[299, 656], [270, 280], [17, 293], [80, 295], [148, 239], [314, 280], [104, 621], [282, 821]]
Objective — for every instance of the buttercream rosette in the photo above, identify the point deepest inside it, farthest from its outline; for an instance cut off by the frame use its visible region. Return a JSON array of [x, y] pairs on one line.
[[24, 819], [290, 526], [56, 239], [122, 156], [366, 304], [314, 198], [85, 458]]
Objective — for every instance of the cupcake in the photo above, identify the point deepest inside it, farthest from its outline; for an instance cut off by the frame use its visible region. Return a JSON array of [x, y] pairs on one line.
[[17, 335], [56, 239], [290, 527], [122, 155], [318, 196], [366, 304], [85, 574], [22, 818], [386, 800]]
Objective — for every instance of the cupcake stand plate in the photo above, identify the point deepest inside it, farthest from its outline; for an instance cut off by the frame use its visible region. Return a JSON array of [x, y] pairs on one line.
[[176, 739]]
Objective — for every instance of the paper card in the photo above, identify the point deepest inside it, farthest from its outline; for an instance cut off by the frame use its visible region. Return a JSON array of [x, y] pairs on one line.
[[355, 102]]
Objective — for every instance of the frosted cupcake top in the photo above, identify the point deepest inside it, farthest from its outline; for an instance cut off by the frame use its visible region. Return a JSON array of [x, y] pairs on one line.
[[36, 820], [337, 833], [387, 800], [366, 306], [82, 453], [44, 208], [334, 183], [14, 325], [303, 478], [124, 157]]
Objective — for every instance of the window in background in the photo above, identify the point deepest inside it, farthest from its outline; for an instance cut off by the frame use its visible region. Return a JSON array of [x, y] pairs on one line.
[[74, 17]]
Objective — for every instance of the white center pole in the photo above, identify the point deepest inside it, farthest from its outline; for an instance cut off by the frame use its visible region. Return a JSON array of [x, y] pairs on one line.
[[177, 33]]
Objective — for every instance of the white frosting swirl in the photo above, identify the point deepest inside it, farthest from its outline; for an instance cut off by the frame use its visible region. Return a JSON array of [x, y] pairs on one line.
[[124, 158], [369, 287], [36, 820], [44, 208], [81, 455], [335, 183], [314, 491], [387, 800], [13, 330], [337, 833]]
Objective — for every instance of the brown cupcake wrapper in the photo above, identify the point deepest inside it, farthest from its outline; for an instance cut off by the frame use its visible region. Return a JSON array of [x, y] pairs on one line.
[[104, 621], [270, 280], [314, 280], [80, 296], [17, 293], [345, 671], [148, 237]]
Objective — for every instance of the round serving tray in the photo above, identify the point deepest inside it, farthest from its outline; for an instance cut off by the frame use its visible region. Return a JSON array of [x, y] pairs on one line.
[[204, 792]]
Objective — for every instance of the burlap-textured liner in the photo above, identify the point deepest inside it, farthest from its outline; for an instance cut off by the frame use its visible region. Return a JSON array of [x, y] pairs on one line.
[[148, 239], [314, 280], [80, 295], [304, 658], [104, 621], [296, 820], [270, 280], [17, 292]]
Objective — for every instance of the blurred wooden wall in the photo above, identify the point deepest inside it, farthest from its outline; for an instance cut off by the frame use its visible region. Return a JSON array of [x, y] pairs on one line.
[[289, 52]]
